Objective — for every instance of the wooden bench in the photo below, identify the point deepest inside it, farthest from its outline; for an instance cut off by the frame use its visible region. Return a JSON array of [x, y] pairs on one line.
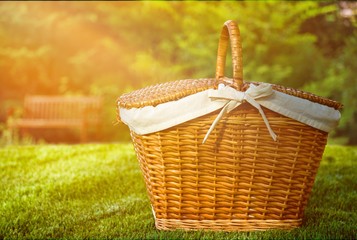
[[60, 112]]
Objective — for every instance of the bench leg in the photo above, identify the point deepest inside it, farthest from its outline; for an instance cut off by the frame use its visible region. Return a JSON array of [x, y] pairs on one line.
[[84, 133]]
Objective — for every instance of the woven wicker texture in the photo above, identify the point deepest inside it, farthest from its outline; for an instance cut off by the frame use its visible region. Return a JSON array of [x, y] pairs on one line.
[[240, 173], [240, 179], [172, 91]]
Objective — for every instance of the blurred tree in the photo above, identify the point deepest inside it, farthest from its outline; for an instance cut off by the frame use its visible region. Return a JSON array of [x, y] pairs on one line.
[[108, 48], [336, 36]]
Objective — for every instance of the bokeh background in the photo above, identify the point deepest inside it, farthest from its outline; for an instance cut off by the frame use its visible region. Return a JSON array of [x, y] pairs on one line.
[[109, 48]]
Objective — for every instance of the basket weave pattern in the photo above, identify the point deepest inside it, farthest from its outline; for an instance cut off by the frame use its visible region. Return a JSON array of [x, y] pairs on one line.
[[238, 180]]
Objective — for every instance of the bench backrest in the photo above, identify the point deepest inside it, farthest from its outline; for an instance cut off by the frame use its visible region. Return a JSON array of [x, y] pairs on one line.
[[63, 108]]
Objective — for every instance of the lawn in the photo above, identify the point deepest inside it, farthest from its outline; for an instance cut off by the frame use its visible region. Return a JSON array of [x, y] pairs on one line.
[[97, 191]]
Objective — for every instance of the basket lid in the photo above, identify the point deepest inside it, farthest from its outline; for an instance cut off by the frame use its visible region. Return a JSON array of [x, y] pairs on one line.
[[165, 92], [175, 90]]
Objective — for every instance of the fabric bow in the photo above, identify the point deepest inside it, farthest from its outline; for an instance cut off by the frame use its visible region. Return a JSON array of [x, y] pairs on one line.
[[235, 98]]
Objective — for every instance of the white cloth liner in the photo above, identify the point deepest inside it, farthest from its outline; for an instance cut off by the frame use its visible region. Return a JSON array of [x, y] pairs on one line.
[[151, 119]]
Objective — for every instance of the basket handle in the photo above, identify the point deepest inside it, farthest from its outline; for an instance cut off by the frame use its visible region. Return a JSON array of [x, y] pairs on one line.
[[230, 31]]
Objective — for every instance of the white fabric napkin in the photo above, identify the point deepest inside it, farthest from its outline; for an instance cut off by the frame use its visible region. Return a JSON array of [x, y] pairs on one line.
[[151, 119]]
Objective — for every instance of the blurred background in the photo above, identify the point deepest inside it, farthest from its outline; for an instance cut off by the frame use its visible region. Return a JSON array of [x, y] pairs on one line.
[[110, 48]]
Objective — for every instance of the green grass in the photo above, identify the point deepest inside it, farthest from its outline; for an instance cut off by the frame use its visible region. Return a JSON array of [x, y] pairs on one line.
[[97, 191]]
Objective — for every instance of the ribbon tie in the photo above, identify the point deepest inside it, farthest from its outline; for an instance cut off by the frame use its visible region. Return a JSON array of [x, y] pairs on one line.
[[235, 98]]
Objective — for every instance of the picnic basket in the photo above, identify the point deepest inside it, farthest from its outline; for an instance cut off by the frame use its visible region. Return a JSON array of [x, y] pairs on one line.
[[244, 177]]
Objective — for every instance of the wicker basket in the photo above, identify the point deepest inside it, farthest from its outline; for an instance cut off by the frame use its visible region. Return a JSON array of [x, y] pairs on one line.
[[240, 179]]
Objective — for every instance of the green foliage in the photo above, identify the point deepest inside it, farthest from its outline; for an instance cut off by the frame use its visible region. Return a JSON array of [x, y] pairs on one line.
[[108, 48], [97, 191]]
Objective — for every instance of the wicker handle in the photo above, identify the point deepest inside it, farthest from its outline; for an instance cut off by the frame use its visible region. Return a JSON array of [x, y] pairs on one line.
[[230, 31]]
